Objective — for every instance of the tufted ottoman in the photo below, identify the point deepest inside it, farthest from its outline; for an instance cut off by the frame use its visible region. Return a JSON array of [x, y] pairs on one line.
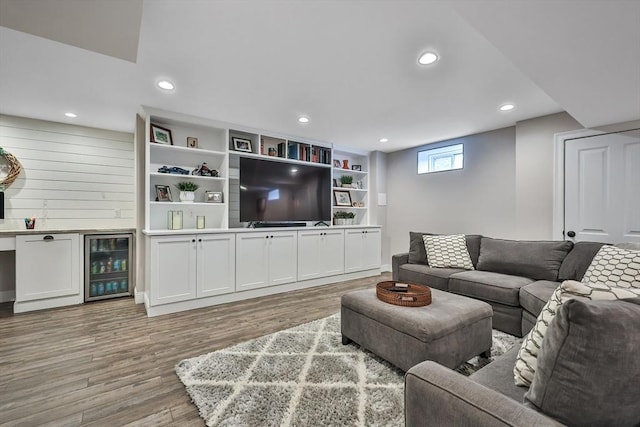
[[450, 331]]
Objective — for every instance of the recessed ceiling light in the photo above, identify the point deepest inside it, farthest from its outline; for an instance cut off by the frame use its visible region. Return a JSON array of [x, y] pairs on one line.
[[303, 119], [71, 115], [427, 58], [507, 107], [384, 140], [166, 85]]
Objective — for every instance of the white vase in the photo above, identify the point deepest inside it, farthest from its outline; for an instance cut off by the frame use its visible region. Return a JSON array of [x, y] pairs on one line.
[[187, 196]]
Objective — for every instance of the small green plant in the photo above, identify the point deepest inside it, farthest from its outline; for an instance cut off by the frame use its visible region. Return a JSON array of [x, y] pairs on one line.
[[343, 215], [187, 186], [346, 179]]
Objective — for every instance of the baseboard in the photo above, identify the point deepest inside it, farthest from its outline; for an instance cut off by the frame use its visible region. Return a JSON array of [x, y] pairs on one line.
[[7, 296], [385, 268], [138, 297]]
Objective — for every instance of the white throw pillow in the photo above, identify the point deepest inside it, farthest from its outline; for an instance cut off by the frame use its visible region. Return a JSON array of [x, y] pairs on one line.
[[614, 266], [447, 251], [526, 362]]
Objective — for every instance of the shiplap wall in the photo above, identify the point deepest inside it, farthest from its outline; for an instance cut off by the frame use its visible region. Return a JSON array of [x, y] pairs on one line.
[[73, 178]]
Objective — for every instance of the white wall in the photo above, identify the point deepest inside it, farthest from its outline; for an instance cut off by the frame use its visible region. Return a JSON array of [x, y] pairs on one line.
[[72, 177], [480, 198], [377, 195]]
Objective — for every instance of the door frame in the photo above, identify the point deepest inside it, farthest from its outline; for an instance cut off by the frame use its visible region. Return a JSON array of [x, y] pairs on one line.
[[559, 142]]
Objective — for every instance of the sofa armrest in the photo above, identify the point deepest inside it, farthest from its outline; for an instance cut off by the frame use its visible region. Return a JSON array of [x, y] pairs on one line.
[[396, 261], [437, 396]]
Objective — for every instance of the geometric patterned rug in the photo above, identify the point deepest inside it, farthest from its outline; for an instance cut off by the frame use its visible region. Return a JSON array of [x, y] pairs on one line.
[[302, 376]]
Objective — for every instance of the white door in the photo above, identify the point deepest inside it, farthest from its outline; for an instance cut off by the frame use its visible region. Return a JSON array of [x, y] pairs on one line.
[[371, 249], [252, 261], [332, 252], [216, 264], [173, 269], [283, 257], [309, 254], [602, 188], [353, 250]]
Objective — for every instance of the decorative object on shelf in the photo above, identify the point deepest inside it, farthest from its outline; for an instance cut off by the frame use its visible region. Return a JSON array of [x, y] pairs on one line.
[[342, 197], [345, 164], [343, 218], [203, 170], [356, 167], [200, 222], [336, 183], [163, 193], [14, 168], [358, 204], [192, 142], [241, 144], [173, 169], [336, 163], [346, 181], [161, 135], [187, 191], [359, 185], [272, 151], [30, 223], [213, 196], [174, 220]]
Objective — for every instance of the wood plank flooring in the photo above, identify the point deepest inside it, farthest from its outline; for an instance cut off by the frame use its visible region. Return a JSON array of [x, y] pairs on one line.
[[107, 364]]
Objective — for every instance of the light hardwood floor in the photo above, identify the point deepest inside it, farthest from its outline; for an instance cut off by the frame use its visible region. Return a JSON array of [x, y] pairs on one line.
[[107, 364]]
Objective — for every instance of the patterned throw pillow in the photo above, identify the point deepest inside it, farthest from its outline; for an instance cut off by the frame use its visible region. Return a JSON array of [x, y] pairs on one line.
[[614, 266], [447, 251], [526, 361]]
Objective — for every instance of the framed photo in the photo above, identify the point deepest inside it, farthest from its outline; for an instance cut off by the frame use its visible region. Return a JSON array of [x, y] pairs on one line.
[[192, 142], [336, 163], [241, 144], [160, 135], [356, 167], [163, 193], [213, 196], [343, 198]]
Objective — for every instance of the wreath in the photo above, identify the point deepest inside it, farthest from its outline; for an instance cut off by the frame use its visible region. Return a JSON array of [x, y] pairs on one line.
[[14, 168]]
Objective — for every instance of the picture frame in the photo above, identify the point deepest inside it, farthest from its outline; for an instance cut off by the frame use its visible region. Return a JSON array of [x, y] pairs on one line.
[[213, 196], [163, 193], [241, 144], [336, 163], [192, 142], [342, 197], [161, 135], [356, 168]]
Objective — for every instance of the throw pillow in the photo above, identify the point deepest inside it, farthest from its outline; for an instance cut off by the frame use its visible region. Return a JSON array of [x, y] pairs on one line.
[[526, 362], [588, 368], [417, 253], [448, 251], [578, 260], [615, 267]]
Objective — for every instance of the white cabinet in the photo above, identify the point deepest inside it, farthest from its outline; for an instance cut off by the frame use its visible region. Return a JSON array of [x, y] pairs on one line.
[[47, 267], [186, 267], [320, 253], [266, 259], [362, 249]]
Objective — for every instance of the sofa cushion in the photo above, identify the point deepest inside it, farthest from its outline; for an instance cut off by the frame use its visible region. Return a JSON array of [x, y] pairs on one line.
[[423, 274], [526, 363], [447, 251], [498, 376], [614, 267], [539, 260], [488, 286], [599, 339], [576, 263], [418, 254], [534, 296]]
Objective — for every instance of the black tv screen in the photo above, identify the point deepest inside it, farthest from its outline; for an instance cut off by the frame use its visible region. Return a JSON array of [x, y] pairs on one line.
[[280, 192]]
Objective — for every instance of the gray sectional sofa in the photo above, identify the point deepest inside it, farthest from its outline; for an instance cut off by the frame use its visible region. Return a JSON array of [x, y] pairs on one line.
[[515, 277]]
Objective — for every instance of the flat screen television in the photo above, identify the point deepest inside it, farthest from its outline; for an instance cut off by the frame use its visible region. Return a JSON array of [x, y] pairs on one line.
[[272, 191]]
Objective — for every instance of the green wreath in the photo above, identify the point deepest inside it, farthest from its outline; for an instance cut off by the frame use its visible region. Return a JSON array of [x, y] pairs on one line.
[[14, 168]]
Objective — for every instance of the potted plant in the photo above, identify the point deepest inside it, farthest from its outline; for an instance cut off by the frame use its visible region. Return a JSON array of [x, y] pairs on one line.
[[339, 217], [349, 218], [346, 180], [187, 191]]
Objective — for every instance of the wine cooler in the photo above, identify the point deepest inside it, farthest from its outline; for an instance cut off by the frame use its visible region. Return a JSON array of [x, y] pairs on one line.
[[108, 266]]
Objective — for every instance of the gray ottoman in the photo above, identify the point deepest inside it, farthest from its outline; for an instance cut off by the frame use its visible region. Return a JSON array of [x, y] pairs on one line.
[[450, 331]]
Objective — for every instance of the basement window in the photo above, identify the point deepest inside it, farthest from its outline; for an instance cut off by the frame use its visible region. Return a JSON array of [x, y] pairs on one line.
[[440, 159]]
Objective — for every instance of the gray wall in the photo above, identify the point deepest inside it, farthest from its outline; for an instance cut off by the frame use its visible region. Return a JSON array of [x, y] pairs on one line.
[[480, 198]]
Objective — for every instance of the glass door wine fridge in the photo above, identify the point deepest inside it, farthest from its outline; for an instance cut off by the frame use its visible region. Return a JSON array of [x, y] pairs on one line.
[[108, 266]]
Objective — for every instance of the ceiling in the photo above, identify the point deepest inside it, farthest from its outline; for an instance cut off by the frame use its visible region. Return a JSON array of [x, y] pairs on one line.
[[350, 65]]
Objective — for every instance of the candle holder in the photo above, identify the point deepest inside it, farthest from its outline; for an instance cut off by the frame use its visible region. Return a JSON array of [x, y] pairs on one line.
[[174, 220], [200, 222]]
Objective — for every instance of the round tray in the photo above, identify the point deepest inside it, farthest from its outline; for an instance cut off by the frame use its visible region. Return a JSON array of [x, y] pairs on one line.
[[416, 295]]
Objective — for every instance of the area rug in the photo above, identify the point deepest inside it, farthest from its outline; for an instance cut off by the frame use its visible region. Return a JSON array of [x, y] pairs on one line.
[[303, 376]]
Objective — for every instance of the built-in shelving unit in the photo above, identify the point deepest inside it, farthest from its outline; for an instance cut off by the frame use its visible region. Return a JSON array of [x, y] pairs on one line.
[[355, 166]]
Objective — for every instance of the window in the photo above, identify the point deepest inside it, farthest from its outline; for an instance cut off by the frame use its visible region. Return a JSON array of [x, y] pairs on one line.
[[440, 159]]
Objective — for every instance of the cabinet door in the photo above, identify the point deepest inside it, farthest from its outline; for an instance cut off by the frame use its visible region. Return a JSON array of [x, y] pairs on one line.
[[283, 257], [353, 250], [332, 253], [252, 260], [371, 249], [216, 264], [309, 254], [173, 269], [47, 266]]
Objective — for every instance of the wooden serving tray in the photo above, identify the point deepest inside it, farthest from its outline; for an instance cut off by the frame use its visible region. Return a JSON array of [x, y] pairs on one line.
[[393, 292]]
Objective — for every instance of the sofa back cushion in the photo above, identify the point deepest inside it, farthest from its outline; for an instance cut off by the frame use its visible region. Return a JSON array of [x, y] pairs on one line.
[[576, 263], [418, 253], [539, 260], [589, 365]]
